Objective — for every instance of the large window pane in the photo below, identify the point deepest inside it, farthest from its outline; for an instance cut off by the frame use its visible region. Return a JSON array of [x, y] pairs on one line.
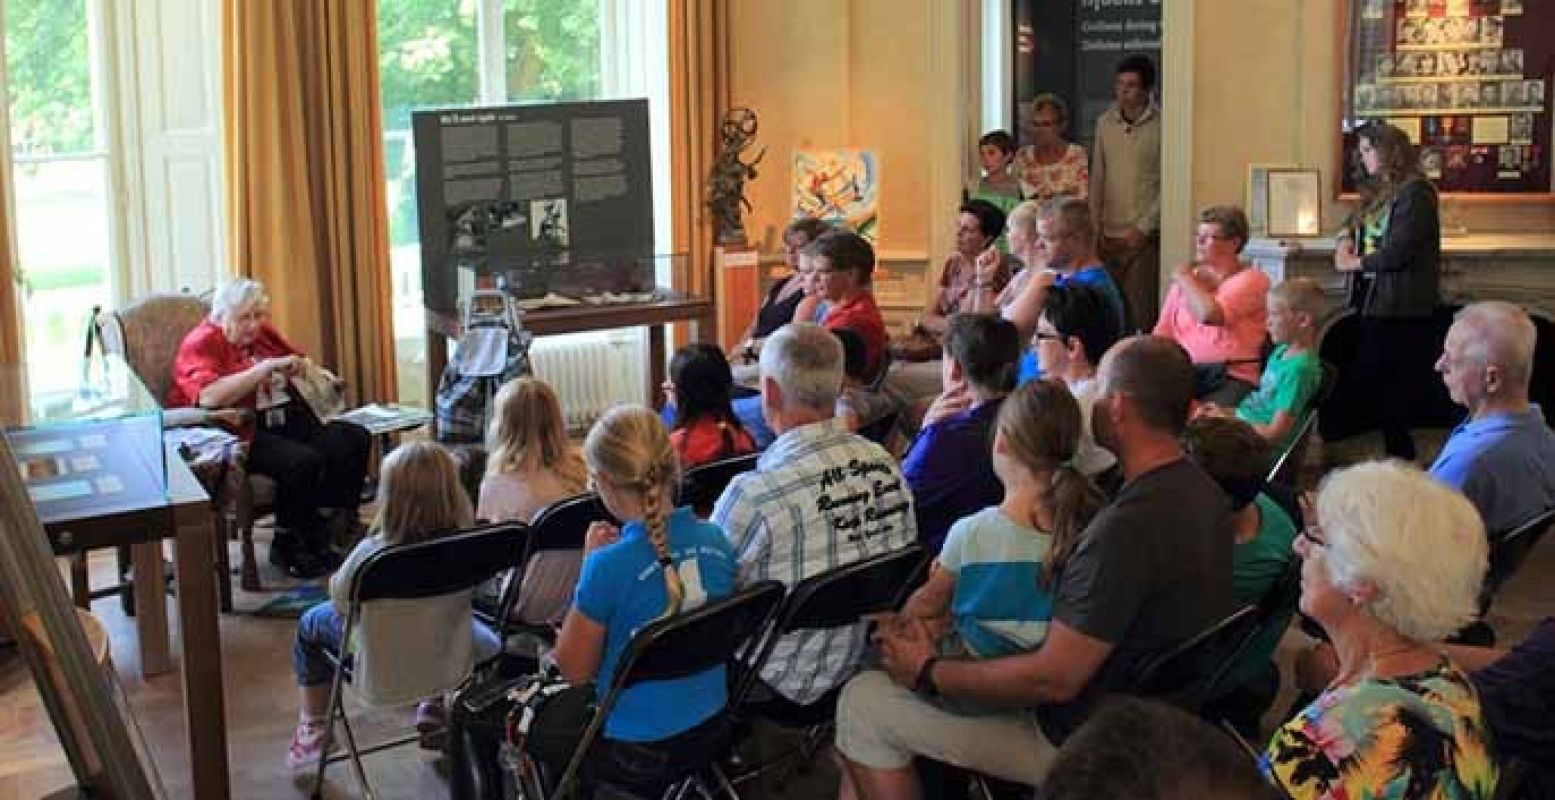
[[61, 174], [551, 49], [427, 58]]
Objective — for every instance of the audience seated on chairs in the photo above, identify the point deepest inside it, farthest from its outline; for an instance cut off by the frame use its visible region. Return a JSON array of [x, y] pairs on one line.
[[844, 263], [1066, 236], [402, 649], [1503, 456], [664, 560], [787, 297], [1293, 375], [530, 465], [704, 426], [1516, 693], [1233, 453], [1151, 570], [1215, 308], [1134, 749], [235, 359], [973, 275], [1073, 332], [993, 581], [949, 466], [820, 497], [1391, 564]]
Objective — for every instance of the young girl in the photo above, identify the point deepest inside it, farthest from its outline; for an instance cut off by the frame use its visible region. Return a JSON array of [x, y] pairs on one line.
[[663, 561], [705, 427], [404, 649], [530, 465], [996, 572]]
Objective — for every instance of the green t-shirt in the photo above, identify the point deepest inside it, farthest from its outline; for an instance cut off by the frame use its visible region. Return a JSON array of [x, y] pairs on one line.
[[1289, 383], [1005, 197], [1256, 565]]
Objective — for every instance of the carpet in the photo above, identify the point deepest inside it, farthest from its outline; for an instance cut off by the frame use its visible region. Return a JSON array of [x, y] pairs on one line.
[[293, 602]]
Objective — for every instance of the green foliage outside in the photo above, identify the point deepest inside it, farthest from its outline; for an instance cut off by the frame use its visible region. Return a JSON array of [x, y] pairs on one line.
[[428, 57], [49, 79]]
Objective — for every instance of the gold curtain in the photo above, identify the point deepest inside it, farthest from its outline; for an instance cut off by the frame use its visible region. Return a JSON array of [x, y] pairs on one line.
[[304, 156], [699, 80], [12, 352]]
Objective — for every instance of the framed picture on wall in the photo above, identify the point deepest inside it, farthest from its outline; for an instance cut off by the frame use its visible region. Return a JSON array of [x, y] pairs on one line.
[[1293, 202], [1467, 81], [1256, 195]]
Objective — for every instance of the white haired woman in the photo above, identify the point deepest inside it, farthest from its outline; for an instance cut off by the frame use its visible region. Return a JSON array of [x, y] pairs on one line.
[[236, 359], [1391, 564]]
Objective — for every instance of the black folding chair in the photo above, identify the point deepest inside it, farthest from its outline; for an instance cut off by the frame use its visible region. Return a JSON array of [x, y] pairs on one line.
[[1287, 467], [703, 485], [833, 599], [880, 430], [680, 646], [558, 527], [442, 566], [1508, 551], [1188, 674]]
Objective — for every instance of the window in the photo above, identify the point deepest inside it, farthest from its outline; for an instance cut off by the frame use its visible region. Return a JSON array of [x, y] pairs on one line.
[[485, 52], [60, 162]]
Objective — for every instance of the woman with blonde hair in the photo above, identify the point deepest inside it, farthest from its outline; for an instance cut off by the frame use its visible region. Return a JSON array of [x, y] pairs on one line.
[[404, 649], [1391, 564], [530, 465], [661, 561]]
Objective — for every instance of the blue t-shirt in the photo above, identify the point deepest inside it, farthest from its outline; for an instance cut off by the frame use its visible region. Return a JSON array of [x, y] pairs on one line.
[[950, 470], [1096, 277], [622, 588], [1504, 464], [1000, 606]]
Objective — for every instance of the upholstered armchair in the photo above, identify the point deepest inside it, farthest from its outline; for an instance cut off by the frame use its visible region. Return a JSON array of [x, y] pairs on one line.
[[147, 334]]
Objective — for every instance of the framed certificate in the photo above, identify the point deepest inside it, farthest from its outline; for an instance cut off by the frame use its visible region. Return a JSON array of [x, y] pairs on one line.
[[1293, 201]]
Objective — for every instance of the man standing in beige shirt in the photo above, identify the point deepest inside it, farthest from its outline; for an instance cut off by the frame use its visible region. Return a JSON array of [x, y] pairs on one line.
[[1126, 189]]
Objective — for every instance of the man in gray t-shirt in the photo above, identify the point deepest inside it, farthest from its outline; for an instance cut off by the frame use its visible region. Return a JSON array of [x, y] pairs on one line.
[[1150, 571]]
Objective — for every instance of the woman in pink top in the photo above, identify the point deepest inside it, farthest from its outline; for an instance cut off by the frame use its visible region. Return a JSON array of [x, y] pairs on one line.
[[1216, 308]]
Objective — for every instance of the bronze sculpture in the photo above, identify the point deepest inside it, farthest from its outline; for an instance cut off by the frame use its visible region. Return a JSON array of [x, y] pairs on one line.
[[726, 183]]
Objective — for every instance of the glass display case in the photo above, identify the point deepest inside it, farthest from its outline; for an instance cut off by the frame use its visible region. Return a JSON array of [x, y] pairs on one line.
[[88, 439]]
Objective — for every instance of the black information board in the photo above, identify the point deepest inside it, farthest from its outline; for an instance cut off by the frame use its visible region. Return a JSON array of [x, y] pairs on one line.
[[1070, 47], [553, 198]]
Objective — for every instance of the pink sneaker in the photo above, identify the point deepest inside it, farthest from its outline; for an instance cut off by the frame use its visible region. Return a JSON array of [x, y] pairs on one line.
[[307, 745]]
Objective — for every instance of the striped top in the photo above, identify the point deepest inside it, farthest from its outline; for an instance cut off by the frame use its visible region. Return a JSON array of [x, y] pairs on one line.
[[1000, 605]]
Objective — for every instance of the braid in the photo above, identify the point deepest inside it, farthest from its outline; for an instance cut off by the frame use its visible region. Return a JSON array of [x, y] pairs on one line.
[[654, 517]]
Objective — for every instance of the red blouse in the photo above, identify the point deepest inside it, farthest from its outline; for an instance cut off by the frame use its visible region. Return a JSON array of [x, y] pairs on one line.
[[703, 440], [863, 316], [206, 356]]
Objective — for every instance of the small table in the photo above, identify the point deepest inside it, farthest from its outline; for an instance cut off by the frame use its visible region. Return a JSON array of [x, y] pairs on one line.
[[442, 326], [111, 480]]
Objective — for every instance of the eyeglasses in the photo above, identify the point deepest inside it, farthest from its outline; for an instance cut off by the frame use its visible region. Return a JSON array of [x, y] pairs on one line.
[[1044, 336], [1313, 533]]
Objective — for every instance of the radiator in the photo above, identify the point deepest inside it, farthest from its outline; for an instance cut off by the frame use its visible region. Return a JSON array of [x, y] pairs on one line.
[[590, 373]]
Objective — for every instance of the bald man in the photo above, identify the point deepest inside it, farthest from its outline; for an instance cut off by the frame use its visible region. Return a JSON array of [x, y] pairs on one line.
[[1503, 456]]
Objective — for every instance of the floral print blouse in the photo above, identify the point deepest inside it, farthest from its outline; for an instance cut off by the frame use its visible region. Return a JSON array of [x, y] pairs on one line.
[[1415, 737], [1069, 177]]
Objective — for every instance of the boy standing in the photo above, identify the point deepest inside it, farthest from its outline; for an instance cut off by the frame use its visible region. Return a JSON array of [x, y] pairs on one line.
[[999, 185]]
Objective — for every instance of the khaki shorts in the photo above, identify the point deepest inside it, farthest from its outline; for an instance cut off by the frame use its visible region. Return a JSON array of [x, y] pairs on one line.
[[881, 725]]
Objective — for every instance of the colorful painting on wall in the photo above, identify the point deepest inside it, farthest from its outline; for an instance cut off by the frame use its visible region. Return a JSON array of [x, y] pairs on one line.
[[841, 186]]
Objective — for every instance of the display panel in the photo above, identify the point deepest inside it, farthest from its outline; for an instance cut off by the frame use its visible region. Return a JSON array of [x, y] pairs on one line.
[[1468, 80]]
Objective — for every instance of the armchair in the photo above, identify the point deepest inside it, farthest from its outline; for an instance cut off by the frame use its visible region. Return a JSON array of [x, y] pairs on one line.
[[147, 334]]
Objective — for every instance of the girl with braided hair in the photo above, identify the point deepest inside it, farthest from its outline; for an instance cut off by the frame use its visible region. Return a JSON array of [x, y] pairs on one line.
[[662, 560]]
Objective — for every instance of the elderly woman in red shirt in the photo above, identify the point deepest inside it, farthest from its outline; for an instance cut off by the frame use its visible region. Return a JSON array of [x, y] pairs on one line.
[[236, 359]]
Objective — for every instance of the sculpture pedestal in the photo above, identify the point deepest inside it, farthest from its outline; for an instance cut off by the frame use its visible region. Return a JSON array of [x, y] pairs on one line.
[[737, 287]]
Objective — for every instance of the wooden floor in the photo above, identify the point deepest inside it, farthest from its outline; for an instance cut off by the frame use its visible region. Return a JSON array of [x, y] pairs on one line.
[[261, 706]]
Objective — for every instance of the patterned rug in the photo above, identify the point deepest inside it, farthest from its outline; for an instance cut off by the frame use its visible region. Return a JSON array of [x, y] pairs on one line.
[[291, 603]]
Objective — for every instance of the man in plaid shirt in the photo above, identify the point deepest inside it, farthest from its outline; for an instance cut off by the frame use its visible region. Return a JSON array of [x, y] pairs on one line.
[[819, 498]]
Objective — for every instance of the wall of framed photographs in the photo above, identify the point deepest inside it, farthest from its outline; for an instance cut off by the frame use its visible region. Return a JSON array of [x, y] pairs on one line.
[[1470, 82]]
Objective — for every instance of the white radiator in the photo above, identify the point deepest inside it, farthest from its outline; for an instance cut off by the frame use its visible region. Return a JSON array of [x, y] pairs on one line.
[[590, 373]]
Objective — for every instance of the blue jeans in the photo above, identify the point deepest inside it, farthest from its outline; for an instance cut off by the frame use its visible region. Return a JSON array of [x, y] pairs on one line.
[[322, 627]]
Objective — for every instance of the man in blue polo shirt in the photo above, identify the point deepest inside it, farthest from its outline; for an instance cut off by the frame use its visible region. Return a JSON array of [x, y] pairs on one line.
[[1503, 456], [1069, 236], [950, 464]]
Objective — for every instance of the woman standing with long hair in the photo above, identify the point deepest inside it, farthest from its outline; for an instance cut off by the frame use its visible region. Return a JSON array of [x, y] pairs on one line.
[[1392, 250]]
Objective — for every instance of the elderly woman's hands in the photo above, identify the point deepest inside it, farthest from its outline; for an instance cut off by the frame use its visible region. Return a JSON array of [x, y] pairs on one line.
[[286, 365]]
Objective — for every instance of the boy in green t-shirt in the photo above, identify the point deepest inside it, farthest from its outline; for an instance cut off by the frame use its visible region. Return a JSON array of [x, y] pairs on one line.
[[1292, 376], [996, 151]]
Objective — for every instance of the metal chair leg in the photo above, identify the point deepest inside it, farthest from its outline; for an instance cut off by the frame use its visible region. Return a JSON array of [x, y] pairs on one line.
[[355, 755], [724, 784], [329, 736]]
